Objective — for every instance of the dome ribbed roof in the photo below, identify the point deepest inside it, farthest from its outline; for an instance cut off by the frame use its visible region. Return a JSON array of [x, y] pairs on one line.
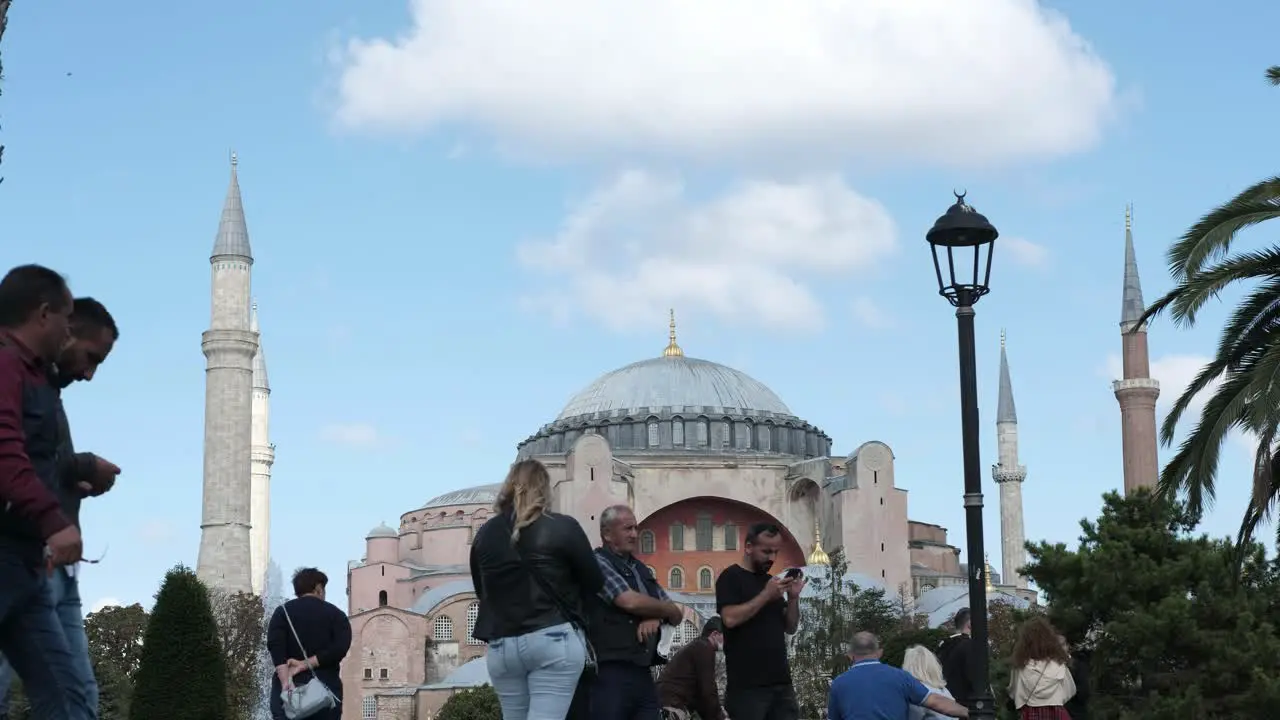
[[478, 495], [674, 381]]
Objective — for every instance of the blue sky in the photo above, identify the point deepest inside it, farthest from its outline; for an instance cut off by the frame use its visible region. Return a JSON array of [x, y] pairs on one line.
[[455, 234]]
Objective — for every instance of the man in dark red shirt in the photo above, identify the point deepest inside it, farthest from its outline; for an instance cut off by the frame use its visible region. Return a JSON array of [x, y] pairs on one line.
[[35, 534], [688, 682]]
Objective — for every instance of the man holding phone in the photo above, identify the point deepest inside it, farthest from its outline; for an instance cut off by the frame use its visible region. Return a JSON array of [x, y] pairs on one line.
[[759, 610]]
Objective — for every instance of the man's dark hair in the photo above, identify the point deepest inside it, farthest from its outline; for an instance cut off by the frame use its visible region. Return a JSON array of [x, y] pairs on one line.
[[25, 288], [306, 580], [764, 528], [714, 625], [88, 315], [961, 619]]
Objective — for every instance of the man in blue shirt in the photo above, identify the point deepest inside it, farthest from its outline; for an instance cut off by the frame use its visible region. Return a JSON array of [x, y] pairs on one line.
[[871, 690]]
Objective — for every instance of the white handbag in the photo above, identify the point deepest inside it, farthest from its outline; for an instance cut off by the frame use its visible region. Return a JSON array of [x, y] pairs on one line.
[[309, 698]]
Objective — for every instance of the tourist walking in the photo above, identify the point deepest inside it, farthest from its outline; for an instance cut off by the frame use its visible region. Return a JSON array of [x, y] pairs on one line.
[[35, 533], [759, 610], [307, 638], [626, 623], [532, 570], [956, 656], [923, 665], [1040, 680], [688, 682], [871, 690], [93, 336]]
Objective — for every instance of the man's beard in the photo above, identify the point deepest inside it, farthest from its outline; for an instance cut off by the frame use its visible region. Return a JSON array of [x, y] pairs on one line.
[[763, 566]]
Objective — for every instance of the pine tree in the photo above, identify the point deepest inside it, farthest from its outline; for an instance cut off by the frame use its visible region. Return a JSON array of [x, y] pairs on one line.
[[1174, 630], [182, 673]]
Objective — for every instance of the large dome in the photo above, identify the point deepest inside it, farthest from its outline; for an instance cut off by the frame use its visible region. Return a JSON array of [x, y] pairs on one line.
[[673, 382]]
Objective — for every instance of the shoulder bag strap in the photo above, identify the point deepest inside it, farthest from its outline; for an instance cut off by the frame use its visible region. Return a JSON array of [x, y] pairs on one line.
[[285, 609], [546, 587]]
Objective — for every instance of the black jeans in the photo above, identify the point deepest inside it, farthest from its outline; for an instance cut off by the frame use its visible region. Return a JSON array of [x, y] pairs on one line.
[[762, 703], [624, 691]]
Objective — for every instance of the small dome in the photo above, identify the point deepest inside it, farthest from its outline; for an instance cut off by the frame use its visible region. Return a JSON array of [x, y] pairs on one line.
[[674, 381], [478, 495], [382, 531]]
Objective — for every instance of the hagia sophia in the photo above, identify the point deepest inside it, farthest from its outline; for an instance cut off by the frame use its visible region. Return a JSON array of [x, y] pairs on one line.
[[699, 450]]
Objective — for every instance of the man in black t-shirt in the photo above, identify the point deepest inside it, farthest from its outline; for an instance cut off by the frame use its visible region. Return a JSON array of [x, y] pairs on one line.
[[759, 611]]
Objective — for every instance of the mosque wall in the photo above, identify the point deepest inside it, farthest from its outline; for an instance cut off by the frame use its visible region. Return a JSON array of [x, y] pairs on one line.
[[687, 544], [874, 518], [441, 536], [930, 550], [367, 583]]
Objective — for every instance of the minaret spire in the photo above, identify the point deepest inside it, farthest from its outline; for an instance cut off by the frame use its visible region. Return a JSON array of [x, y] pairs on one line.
[[233, 232], [673, 349], [1136, 391], [1009, 474], [262, 456]]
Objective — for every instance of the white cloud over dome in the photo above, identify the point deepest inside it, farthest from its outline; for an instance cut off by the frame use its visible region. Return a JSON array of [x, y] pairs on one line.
[[807, 80], [639, 244]]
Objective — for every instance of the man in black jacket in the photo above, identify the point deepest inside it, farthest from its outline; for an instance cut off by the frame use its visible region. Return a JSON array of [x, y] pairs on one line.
[[626, 624], [308, 638], [955, 654]]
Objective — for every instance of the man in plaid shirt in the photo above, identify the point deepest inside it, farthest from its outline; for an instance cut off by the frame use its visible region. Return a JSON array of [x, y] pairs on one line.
[[626, 624]]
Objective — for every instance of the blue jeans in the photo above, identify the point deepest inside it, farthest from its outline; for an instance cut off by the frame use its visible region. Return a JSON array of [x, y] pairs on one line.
[[535, 674], [33, 641]]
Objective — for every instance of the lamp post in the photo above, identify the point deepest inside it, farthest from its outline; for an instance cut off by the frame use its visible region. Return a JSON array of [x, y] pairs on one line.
[[962, 241]]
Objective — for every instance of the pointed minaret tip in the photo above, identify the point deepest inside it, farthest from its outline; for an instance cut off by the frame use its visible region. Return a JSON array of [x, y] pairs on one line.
[[1006, 411], [673, 348], [260, 380], [233, 232], [1132, 307]]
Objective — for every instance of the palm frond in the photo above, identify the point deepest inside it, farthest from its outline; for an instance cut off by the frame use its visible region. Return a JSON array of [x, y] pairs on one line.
[[1213, 235], [1273, 74], [1197, 289]]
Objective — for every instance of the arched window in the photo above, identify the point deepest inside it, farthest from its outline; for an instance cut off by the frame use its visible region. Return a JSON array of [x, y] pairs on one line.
[[646, 542], [677, 431], [730, 536], [653, 433], [382, 598], [702, 533], [443, 630], [369, 707], [652, 572], [705, 579], [473, 611], [763, 435], [703, 432], [676, 579], [677, 537], [687, 633]]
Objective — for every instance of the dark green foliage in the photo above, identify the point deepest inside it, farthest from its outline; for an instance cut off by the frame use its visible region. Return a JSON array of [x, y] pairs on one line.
[[895, 645], [183, 673], [479, 703], [115, 648], [1174, 630]]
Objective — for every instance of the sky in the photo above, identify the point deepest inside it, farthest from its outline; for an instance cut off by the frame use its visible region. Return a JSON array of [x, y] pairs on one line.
[[463, 211]]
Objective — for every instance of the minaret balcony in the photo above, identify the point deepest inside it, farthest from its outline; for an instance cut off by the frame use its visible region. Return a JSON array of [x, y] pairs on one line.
[[1136, 384], [1009, 473]]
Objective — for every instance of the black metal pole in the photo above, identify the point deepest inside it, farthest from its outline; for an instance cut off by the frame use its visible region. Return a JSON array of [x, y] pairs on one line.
[[981, 705]]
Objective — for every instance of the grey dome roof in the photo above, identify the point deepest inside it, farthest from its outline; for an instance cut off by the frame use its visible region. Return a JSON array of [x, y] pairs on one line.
[[478, 495], [674, 382], [382, 531]]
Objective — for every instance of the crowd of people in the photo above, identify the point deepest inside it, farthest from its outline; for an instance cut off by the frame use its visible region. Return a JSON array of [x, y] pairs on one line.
[[48, 340]]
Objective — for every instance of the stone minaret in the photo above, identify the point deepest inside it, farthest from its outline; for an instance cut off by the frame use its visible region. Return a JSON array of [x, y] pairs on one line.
[[229, 346], [1009, 475], [264, 455], [1136, 391]]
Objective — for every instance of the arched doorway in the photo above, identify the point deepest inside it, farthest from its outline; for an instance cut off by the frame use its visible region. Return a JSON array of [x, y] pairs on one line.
[[688, 543]]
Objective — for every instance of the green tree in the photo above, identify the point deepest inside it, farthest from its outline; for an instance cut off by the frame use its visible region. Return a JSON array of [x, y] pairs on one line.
[[1248, 353], [115, 649], [183, 672], [1172, 632], [479, 703], [242, 636]]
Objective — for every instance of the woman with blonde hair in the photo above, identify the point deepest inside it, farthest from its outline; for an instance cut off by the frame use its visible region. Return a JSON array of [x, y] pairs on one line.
[[923, 665], [532, 569], [1040, 681]]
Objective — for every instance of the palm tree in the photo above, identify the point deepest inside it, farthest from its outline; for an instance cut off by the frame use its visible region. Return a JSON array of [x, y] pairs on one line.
[[1246, 365]]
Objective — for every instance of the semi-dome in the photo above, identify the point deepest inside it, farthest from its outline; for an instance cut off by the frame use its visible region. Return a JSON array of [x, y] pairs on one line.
[[382, 531], [674, 381], [478, 495]]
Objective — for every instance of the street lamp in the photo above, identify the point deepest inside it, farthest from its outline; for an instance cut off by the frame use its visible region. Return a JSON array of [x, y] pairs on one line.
[[962, 241]]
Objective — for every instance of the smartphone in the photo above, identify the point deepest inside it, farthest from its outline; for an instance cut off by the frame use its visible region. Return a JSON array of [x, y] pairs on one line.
[[792, 573]]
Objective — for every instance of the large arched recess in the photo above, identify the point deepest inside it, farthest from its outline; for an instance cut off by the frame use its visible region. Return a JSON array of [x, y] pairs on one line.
[[729, 519]]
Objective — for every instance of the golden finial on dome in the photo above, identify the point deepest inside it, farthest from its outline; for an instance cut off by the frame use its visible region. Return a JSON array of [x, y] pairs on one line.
[[1128, 216], [818, 556], [987, 569], [673, 350]]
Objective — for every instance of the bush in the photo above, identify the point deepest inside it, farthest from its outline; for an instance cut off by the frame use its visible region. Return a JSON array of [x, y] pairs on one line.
[[479, 703], [182, 673]]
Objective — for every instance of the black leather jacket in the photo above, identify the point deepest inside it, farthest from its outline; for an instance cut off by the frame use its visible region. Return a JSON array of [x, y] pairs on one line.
[[513, 603]]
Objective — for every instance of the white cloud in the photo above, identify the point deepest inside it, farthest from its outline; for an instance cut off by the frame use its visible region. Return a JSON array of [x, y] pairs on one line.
[[352, 434], [157, 531], [1175, 373], [931, 80], [1023, 251], [639, 244], [103, 603], [870, 315]]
